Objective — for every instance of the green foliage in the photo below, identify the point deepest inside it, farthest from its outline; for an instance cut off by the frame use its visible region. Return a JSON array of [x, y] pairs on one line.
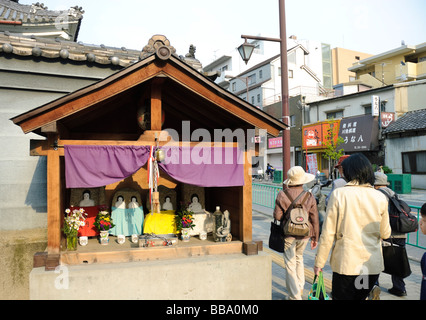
[[331, 153]]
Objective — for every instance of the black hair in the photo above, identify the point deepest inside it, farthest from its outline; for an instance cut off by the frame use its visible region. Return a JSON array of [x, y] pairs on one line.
[[423, 210], [358, 168]]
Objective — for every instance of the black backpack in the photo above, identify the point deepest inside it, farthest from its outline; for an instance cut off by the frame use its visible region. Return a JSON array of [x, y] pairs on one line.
[[401, 219]]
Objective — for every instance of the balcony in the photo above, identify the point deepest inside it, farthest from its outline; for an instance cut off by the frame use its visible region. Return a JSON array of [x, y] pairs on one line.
[[410, 71]]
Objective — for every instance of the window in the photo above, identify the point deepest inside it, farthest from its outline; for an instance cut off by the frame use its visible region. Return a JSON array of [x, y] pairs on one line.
[[258, 98], [292, 121], [414, 162], [252, 100], [367, 108], [251, 79], [234, 86], [290, 74], [260, 74], [335, 114]]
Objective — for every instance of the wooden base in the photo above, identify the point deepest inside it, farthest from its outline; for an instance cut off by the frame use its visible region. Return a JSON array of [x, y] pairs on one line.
[[127, 252]]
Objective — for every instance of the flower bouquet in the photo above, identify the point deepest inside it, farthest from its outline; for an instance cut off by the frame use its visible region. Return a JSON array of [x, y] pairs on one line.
[[74, 219], [184, 222], [103, 223]]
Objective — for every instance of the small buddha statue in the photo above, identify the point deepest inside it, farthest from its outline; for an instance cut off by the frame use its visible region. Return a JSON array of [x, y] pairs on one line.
[[133, 203], [195, 205], [167, 205], [120, 203], [86, 202]]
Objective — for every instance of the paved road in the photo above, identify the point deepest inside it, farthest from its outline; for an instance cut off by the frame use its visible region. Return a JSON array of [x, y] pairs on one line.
[[262, 218]]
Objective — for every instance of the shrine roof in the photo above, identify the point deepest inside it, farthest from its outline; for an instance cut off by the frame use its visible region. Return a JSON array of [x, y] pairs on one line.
[[188, 94]]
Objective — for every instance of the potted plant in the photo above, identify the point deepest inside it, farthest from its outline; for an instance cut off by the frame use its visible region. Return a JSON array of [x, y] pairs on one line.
[[74, 219], [103, 223], [184, 223]]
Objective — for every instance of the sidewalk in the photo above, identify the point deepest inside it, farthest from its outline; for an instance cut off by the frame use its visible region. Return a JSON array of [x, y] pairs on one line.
[[262, 217]]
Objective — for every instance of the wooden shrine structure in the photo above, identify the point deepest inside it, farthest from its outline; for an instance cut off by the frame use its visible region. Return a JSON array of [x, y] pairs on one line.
[[106, 113]]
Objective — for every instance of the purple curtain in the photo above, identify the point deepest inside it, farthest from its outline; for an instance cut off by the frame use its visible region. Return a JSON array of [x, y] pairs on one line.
[[205, 166], [95, 166]]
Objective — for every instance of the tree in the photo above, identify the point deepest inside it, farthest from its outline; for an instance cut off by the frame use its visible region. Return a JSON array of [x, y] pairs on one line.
[[331, 144]]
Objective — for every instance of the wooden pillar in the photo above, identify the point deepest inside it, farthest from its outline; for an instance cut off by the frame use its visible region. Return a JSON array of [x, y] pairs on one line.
[[53, 198], [246, 202], [156, 106]]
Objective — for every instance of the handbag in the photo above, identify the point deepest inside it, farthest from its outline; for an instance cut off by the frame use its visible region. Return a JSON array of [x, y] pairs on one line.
[[276, 238], [395, 260], [318, 289]]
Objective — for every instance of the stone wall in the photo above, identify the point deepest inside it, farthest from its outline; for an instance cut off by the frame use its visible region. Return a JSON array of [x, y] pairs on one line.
[[17, 250]]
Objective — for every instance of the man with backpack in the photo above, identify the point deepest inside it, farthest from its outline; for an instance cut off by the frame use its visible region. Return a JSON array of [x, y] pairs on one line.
[[297, 211], [381, 183]]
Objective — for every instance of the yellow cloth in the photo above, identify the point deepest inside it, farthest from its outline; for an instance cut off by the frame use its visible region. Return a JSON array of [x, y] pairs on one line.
[[160, 223]]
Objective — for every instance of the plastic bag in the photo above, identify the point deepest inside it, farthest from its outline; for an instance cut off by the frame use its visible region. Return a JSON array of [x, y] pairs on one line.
[[318, 289]]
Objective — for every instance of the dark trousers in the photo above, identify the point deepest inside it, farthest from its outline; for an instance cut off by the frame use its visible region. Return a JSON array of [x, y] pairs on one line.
[[346, 287]]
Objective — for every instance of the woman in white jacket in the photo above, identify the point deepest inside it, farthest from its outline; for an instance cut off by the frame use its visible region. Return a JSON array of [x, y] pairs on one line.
[[356, 221]]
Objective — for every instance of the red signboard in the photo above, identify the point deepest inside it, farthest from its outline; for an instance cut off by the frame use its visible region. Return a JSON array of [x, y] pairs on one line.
[[315, 136]]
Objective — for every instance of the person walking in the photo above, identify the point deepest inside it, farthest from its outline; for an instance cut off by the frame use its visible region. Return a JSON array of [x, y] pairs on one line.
[[423, 261], [341, 181], [357, 219], [294, 246], [398, 285]]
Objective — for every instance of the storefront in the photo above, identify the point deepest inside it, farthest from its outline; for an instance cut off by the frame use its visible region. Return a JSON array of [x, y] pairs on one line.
[[316, 137]]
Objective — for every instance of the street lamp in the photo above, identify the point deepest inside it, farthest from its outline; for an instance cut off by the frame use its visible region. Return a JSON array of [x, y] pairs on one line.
[[284, 81], [246, 50]]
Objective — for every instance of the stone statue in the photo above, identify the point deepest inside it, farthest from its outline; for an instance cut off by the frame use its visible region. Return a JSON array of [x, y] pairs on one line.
[[120, 203], [86, 202], [167, 205], [195, 205], [224, 231], [133, 203], [191, 53]]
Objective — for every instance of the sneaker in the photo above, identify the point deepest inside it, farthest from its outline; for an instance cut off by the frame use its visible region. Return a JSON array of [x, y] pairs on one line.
[[375, 293], [397, 293]]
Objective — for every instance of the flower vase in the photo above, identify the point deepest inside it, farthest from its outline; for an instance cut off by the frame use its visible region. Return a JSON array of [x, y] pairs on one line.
[[104, 237], [72, 242], [185, 236]]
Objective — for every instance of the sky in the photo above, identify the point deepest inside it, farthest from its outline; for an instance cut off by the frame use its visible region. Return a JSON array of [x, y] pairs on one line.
[[215, 27]]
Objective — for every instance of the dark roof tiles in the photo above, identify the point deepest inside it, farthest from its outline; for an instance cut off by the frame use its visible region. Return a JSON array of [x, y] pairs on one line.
[[411, 121]]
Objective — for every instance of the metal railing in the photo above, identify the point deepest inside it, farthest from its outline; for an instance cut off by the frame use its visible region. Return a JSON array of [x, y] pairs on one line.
[[413, 237], [265, 195]]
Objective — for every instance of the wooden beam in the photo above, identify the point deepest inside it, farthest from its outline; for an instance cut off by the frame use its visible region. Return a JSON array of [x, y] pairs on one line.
[[53, 198], [50, 128]]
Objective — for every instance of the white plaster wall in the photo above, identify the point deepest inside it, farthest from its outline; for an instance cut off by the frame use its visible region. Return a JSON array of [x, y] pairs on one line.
[[393, 157]]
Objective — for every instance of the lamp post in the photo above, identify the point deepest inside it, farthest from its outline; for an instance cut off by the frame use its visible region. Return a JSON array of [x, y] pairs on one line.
[[241, 78], [245, 53]]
